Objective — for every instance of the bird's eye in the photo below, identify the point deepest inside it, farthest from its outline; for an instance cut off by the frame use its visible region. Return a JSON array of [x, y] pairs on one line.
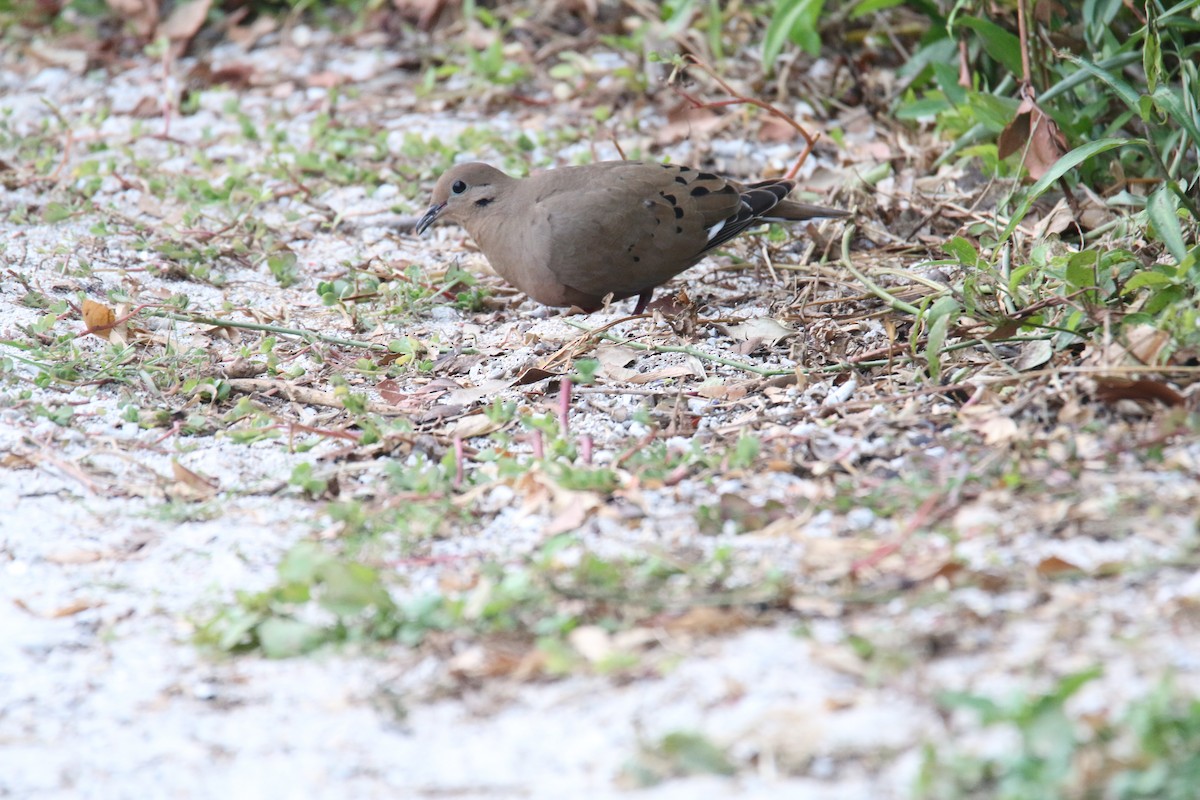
[[458, 187]]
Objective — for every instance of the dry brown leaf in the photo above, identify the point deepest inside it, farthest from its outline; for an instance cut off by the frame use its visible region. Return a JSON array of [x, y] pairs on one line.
[[766, 330], [717, 390], [1112, 390], [141, 15], [999, 429], [325, 80], [533, 375], [592, 642], [424, 13], [677, 371], [147, 108], [613, 362], [1146, 343], [1033, 355], [185, 20], [192, 485], [470, 395], [389, 391], [1053, 565], [72, 59], [1035, 135], [70, 609], [78, 556], [15, 461], [573, 510], [100, 321], [708, 621], [246, 36], [474, 425], [773, 130], [685, 121]]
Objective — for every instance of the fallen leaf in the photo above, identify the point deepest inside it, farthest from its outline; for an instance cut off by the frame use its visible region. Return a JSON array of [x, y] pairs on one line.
[[325, 80], [389, 391], [765, 329], [707, 621], [147, 108], [72, 59], [533, 375], [470, 395], [424, 13], [246, 36], [1033, 354], [1146, 343], [717, 390], [677, 371], [185, 20], [592, 642], [1112, 390], [194, 485], [142, 15], [614, 361], [474, 425], [99, 319], [1054, 565], [70, 609], [685, 121], [78, 556], [773, 130]]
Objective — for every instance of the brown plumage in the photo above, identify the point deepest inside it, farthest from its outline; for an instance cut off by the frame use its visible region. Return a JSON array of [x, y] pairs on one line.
[[572, 236]]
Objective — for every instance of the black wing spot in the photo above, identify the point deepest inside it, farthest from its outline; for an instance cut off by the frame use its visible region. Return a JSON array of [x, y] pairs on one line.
[[483, 201], [727, 189], [678, 229], [699, 191], [670, 198], [707, 176], [636, 259], [681, 179], [678, 212]]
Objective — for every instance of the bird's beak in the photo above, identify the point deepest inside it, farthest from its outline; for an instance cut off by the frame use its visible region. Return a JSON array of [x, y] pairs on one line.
[[430, 217]]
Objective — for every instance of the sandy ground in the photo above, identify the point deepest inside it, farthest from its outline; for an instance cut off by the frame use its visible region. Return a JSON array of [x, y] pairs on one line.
[[108, 565]]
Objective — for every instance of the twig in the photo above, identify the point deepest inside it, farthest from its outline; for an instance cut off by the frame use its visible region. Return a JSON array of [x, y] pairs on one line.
[[308, 336], [740, 99], [892, 301]]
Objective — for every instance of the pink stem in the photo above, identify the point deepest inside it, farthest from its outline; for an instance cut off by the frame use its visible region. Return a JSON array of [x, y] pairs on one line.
[[564, 406]]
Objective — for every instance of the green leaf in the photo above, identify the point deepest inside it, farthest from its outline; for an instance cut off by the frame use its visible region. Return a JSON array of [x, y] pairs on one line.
[[1061, 167], [281, 637], [1173, 106], [1148, 278], [692, 754], [55, 212], [1126, 92], [999, 43], [302, 563], [796, 21], [1161, 210], [872, 6], [962, 251], [1081, 270], [937, 320], [1152, 56]]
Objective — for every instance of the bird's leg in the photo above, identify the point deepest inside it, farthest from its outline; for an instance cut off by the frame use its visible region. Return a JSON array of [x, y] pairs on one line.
[[643, 301]]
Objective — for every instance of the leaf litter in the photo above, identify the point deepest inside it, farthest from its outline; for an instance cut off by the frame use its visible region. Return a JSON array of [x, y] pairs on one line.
[[873, 535]]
